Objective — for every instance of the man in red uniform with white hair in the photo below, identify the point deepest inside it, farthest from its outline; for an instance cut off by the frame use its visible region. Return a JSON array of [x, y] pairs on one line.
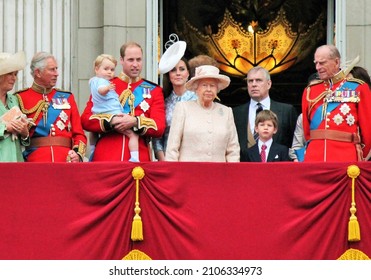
[[143, 107], [336, 112], [57, 135]]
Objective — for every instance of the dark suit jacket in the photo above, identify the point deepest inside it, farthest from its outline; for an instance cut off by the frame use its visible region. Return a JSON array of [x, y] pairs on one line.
[[277, 152], [286, 114]]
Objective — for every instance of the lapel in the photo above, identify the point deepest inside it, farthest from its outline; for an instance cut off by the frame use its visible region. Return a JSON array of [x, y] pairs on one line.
[[273, 152], [255, 154]]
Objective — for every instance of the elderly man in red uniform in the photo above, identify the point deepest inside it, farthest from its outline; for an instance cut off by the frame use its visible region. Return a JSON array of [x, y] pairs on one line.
[[57, 134], [143, 107], [336, 112]]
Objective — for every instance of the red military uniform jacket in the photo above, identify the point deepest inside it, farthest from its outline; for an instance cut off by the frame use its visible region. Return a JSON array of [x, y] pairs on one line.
[[57, 126], [148, 106], [336, 119]]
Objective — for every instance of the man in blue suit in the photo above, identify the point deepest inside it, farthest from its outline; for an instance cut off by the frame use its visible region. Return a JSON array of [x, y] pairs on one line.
[[258, 86]]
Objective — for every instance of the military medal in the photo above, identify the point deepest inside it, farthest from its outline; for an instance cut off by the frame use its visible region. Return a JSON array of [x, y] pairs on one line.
[[147, 92], [61, 103]]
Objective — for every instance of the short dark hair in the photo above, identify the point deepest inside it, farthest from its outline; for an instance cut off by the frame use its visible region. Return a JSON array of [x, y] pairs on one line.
[[129, 44]]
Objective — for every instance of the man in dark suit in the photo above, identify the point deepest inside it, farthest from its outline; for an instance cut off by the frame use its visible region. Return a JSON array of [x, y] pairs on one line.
[[258, 85]]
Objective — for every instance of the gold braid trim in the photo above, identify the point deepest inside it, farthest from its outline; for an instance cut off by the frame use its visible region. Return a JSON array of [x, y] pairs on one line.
[[313, 102], [81, 149], [106, 117], [40, 106], [125, 95], [146, 123], [102, 118], [356, 80]]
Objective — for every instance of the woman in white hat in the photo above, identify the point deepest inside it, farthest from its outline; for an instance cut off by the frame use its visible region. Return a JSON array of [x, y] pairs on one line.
[[176, 73], [203, 130], [13, 127]]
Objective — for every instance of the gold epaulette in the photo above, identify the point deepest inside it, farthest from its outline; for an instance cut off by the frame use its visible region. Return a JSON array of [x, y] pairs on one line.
[[315, 82], [150, 82], [22, 90], [62, 90], [351, 79]]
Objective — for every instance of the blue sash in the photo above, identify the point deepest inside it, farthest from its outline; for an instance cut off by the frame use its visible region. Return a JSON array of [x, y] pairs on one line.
[[143, 89], [53, 114], [300, 153], [317, 117]]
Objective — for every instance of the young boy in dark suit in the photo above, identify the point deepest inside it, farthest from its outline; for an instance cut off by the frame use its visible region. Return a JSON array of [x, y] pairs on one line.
[[266, 150]]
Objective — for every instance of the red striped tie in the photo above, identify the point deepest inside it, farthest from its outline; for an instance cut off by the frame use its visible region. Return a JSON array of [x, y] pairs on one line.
[[262, 154]]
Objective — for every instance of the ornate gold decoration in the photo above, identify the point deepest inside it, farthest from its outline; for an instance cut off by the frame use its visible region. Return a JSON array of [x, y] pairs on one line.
[[353, 254], [146, 123], [137, 227], [354, 233], [41, 106], [238, 49], [136, 255], [81, 149], [124, 96], [102, 119]]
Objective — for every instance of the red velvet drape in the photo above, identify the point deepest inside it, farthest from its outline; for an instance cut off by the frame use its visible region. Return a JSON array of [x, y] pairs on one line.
[[188, 210]]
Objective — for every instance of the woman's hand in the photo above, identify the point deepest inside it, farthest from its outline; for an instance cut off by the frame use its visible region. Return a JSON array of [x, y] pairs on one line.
[[18, 127]]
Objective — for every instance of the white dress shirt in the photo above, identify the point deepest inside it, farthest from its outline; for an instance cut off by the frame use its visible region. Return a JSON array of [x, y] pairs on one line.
[[266, 104]]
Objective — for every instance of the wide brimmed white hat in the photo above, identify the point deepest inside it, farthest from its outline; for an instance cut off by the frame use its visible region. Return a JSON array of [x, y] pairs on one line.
[[12, 62], [208, 71], [172, 56]]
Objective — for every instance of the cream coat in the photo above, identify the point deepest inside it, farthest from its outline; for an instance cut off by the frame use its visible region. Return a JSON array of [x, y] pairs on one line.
[[200, 134]]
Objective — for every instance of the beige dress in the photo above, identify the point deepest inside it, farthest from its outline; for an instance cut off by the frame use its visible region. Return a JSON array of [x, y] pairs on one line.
[[200, 134]]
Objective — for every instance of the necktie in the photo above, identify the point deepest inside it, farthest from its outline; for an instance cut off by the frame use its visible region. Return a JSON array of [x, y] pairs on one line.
[[260, 108], [262, 154]]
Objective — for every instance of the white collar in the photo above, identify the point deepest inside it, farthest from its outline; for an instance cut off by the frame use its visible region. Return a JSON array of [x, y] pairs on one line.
[[265, 102], [268, 144]]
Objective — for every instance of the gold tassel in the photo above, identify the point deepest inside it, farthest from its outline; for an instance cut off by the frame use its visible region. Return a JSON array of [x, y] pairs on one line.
[[354, 233], [137, 226]]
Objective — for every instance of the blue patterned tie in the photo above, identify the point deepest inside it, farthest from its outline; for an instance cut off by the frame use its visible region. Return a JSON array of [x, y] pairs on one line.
[[259, 109]]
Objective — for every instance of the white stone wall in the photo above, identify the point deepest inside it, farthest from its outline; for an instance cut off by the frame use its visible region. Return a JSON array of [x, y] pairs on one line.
[[37, 25], [102, 26], [358, 32]]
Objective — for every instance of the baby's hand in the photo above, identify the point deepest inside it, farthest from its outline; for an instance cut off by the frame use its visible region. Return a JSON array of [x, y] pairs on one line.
[[111, 86]]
